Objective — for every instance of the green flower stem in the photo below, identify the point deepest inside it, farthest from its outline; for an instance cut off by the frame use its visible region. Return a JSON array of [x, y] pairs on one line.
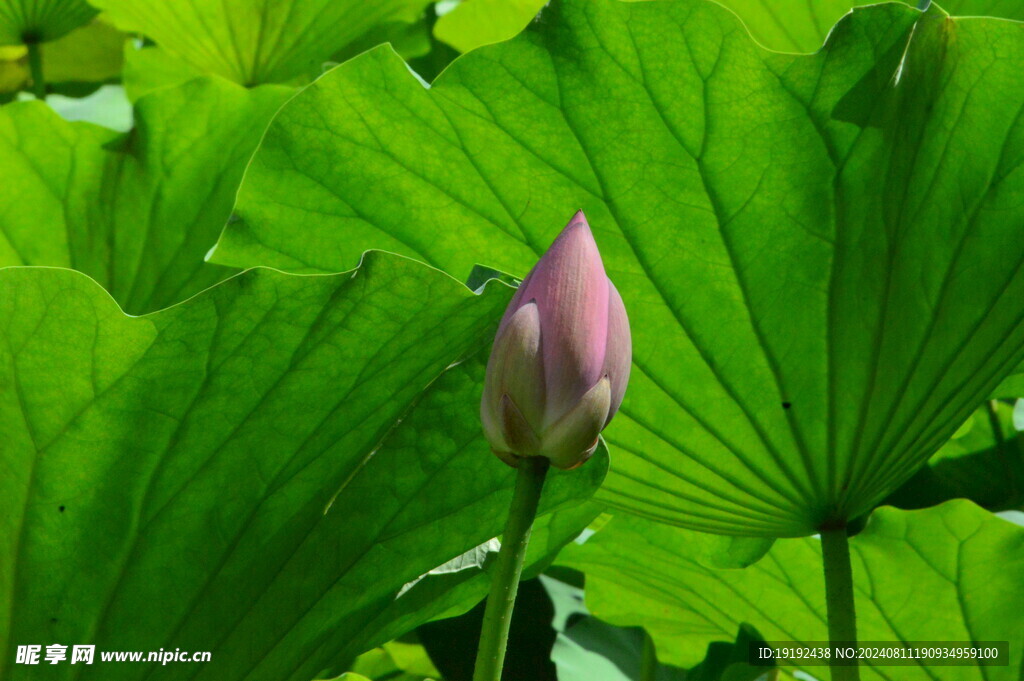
[[35, 66], [490, 655], [842, 618]]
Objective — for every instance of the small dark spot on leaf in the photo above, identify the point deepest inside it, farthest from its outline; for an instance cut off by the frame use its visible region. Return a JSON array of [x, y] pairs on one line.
[[61, 508], [53, 620], [786, 405]]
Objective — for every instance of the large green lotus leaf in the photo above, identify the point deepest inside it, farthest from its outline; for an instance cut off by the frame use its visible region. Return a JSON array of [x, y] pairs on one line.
[[227, 474], [480, 22], [1007, 9], [1012, 386], [136, 213], [821, 255], [396, 661], [591, 649], [410, 38], [255, 42], [801, 26], [24, 21], [151, 68], [88, 55], [983, 462], [949, 573], [786, 25], [442, 428], [445, 592]]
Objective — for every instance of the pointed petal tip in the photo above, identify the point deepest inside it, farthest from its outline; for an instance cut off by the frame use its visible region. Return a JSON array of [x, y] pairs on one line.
[[578, 220], [577, 232], [585, 457]]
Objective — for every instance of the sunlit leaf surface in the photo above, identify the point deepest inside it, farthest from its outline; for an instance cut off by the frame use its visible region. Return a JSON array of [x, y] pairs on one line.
[[255, 42], [821, 255], [247, 460], [23, 21], [948, 573], [136, 213]]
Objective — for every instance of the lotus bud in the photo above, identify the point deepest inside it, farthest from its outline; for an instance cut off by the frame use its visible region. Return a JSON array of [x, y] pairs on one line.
[[561, 357]]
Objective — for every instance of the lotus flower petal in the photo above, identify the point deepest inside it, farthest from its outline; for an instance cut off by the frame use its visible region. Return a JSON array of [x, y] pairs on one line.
[[571, 440], [619, 353], [571, 290]]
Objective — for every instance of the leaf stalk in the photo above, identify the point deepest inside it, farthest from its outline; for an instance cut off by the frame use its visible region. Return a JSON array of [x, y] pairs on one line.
[[648, 660], [842, 617], [35, 67]]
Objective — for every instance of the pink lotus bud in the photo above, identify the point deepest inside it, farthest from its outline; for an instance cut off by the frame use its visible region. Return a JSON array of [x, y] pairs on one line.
[[561, 357]]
